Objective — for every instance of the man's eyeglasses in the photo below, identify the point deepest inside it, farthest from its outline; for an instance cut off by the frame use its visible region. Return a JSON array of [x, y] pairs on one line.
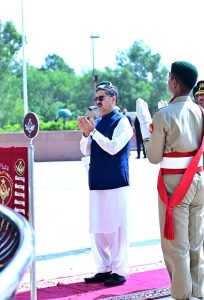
[[100, 98]]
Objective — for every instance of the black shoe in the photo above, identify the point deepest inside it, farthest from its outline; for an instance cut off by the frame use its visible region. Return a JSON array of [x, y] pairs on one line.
[[99, 277], [114, 279]]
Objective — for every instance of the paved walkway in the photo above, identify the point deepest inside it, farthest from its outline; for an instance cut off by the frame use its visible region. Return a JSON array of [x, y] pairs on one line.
[[61, 218]]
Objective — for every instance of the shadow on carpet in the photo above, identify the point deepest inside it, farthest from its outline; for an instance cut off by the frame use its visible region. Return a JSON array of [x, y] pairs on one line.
[[151, 284]]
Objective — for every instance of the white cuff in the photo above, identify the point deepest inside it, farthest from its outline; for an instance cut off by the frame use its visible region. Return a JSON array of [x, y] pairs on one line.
[[145, 131]]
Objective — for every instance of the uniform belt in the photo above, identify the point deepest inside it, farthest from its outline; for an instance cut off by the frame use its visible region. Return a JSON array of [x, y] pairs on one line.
[[177, 162]]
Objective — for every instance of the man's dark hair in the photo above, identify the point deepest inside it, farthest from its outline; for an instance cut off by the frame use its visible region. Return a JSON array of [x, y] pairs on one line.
[[109, 89]]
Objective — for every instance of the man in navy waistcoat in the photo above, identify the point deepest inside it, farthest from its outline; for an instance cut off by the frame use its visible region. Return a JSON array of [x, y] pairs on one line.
[[106, 140]]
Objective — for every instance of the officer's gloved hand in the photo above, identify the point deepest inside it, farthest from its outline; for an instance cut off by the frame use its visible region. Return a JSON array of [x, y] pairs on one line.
[[144, 117], [162, 103]]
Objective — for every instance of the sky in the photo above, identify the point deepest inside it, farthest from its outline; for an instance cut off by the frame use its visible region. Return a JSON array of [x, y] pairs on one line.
[[174, 29]]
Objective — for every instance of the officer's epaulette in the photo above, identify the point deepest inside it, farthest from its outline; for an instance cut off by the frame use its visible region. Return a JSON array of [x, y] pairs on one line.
[[158, 110]]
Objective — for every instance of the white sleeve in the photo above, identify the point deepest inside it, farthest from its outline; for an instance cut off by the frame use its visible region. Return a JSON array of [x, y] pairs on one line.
[[144, 117], [85, 145], [121, 136]]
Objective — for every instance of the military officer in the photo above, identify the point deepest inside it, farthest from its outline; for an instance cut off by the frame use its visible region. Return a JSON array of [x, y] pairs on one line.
[[199, 95], [176, 142]]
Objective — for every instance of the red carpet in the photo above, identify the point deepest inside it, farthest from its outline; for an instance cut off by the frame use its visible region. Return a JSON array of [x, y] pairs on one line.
[[155, 283]]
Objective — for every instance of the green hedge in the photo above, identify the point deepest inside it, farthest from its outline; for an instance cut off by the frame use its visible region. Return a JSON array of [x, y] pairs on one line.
[[44, 126], [52, 125]]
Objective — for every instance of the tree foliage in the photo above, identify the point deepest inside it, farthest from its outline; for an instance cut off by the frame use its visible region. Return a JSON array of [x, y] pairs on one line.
[[55, 85], [54, 63], [10, 43], [143, 73], [11, 109]]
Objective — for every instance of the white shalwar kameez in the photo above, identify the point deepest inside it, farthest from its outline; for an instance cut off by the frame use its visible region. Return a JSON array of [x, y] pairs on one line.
[[108, 208]]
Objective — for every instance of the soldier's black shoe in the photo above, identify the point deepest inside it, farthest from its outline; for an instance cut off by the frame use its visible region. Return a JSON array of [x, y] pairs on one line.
[[99, 277], [114, 279]]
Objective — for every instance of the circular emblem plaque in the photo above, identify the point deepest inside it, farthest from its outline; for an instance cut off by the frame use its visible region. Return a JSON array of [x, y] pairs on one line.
[[31, 125], [6, 187]]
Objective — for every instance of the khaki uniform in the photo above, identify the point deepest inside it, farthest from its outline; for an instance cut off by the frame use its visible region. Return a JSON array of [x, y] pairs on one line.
[[178, 127]]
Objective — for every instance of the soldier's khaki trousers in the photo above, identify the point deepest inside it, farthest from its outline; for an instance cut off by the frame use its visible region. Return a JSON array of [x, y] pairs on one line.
[[184, 256]]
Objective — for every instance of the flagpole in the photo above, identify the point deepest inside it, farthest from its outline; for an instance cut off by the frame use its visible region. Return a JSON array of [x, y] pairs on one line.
[[25, 92], [33, 288]]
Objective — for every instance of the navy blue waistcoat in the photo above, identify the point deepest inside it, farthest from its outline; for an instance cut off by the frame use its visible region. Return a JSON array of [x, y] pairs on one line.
[[108, 171]]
